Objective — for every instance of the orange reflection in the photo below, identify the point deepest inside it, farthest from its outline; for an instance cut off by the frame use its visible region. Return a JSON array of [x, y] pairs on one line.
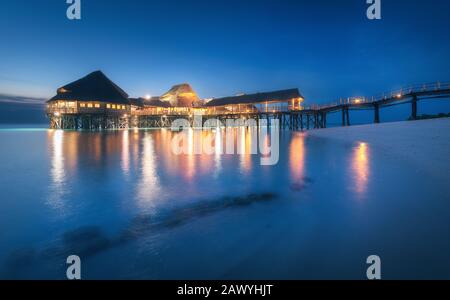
[[125, 161], [360, 167], [245, 147], [297, 157]]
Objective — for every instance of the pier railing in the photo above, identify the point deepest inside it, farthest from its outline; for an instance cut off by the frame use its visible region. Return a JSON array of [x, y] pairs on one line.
[[399, 94]]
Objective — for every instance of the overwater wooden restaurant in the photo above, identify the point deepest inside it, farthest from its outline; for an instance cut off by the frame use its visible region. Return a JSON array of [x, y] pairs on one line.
[[94, 102]]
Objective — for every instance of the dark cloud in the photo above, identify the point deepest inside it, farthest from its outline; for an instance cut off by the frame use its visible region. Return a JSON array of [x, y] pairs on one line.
[[22, 110], [22, 100]]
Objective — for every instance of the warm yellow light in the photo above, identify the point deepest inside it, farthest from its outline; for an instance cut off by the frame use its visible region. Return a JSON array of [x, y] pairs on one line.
[[125, 116], [148, 97], [399, 95], [357, 101]]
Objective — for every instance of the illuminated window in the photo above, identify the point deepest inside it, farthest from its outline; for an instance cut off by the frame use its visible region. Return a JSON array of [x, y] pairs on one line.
[[123, 106], [113, 106], [90, 105], [108, 105], [82, 104], [97, 105]]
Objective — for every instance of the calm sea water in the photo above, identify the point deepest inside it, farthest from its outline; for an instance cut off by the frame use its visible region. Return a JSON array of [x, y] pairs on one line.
[[131, 209]]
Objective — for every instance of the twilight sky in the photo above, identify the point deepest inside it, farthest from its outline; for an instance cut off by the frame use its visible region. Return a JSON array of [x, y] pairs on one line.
[[326, 48]]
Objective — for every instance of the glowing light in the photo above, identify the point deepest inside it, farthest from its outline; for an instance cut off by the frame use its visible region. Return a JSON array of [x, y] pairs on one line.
[[399, 95], [57, 114], [358, 101], [125, 116], [148, 97]]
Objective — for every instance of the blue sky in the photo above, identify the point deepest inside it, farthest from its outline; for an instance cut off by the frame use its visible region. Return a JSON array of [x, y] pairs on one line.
[[328, 49]]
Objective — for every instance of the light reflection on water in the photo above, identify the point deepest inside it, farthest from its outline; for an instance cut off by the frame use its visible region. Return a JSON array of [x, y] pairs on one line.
[[166, 212], [361, 167], [148, 187], [57, 171], [297, 157]]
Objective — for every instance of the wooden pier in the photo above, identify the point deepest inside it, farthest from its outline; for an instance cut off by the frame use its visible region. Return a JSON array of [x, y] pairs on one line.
[[315, 117], [72, 108]]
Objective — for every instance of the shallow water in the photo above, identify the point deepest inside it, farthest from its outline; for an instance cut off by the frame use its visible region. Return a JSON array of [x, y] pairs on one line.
[[132, 209]]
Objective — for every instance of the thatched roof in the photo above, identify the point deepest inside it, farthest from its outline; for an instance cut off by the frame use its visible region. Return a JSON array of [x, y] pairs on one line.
[[181, 95], [156, 102], [283, 95], [93, 87]]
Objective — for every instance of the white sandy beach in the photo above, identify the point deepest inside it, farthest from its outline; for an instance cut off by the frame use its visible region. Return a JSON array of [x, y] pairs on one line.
[[426, 143]]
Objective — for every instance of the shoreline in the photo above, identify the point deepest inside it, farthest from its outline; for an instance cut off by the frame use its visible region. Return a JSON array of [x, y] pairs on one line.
[[424, 143]]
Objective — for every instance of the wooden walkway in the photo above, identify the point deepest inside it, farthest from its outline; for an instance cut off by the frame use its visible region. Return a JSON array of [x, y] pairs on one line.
[[303, 119], [316, 116]]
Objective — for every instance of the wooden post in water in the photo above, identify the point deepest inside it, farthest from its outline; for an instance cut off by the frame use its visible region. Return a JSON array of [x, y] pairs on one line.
[[377, 112], [347, 116], [414, 108], [301, 121], [343, 116], [324, 120]]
